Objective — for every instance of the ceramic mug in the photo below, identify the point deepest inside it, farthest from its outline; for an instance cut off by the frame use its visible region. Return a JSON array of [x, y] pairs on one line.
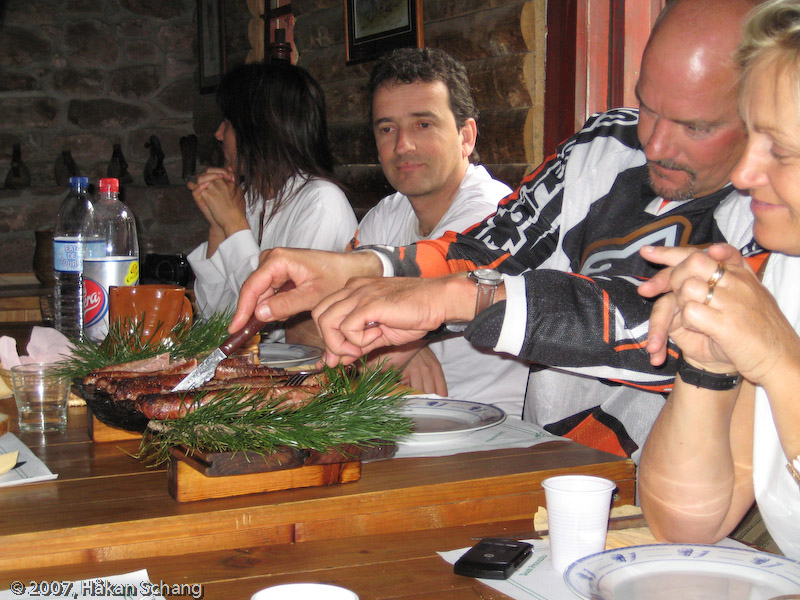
[[154, 308]]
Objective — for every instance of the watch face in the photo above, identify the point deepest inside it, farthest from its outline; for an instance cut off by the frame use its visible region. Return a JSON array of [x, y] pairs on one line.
[[487, 276]]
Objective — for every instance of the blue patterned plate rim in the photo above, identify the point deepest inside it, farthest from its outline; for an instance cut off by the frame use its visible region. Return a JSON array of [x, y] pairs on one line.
[[591, 576], [446, 419]]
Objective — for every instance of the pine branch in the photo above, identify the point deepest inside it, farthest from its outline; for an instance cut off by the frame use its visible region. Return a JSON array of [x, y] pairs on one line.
[[360, 410], [125, 342]]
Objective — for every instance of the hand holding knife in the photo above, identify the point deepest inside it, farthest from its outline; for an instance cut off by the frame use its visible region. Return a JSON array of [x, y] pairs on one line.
[[206, 369]]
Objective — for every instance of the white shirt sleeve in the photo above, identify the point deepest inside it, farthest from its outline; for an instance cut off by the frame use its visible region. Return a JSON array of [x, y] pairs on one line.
[[318, 216], [219, 278], [512, 336]]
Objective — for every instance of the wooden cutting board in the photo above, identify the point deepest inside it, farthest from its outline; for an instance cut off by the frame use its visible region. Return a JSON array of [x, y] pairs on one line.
[[200, 475]]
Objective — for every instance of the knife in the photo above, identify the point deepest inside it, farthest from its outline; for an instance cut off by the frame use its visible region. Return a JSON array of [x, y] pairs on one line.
[[205, 370]]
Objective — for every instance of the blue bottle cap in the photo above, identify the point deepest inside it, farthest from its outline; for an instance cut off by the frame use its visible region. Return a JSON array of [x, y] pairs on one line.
[[82, 182]]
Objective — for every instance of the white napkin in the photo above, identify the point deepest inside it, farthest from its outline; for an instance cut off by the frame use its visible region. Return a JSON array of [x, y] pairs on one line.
[[511, 433], [30, 468], [46, 345], [535, 579]]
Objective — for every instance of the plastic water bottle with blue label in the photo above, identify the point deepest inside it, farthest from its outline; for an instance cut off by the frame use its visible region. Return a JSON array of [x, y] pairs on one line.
[[72, 241], [114, 262]]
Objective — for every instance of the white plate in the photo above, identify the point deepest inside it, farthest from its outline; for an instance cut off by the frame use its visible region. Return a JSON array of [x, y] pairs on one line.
[[445, 419], [683, 572], [275, 354]]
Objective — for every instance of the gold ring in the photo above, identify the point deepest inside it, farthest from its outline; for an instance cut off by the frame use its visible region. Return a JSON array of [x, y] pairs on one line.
[[710, 294], [716, 276]]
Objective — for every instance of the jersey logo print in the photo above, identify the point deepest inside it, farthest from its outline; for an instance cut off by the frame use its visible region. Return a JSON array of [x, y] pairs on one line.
[[674, 231], [524, 212]]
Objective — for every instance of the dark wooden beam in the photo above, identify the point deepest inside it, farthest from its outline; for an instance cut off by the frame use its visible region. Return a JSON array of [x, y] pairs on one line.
[[559, 102]]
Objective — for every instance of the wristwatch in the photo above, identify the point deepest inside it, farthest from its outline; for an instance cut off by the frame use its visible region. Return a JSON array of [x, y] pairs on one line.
[[706, 379], [487, 281]]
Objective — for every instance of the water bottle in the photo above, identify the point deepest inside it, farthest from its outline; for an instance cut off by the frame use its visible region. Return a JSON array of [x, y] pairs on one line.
[[74, 221], [111, 258]]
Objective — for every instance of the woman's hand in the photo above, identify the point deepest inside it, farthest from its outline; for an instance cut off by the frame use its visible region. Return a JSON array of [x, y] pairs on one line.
[[666, 309], [225, 201], [219, 197], [199, 186], [737, 326]]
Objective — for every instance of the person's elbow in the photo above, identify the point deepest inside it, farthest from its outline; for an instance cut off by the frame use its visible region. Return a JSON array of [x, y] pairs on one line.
[[682, 524], [677, 532]]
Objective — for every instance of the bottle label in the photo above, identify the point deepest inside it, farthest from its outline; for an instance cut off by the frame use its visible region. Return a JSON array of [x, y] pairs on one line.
[[98, 275], [68, 254]]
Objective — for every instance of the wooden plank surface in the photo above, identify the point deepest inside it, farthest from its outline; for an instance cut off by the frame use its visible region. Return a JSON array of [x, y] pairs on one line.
[[100, 432], [107, 505], [388, 566], [19, 297]]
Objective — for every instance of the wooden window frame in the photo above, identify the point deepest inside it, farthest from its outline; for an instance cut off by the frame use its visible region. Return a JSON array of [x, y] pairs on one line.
[[594, 50]]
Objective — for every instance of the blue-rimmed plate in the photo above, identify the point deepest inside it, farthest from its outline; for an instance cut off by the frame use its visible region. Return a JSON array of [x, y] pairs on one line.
[[445, 419], [683, 572]]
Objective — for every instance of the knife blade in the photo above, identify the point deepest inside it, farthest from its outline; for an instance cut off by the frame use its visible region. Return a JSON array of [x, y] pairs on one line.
[[205, 370]]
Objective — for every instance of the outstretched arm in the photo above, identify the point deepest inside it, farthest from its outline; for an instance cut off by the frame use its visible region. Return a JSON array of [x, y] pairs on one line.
[[373, 313], [314, 274]]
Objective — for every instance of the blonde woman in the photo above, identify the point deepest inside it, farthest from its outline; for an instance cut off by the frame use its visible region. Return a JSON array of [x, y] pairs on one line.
[[730, 431]]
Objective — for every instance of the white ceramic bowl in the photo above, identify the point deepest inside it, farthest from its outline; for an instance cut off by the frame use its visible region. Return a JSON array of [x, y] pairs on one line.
[[304, 591]]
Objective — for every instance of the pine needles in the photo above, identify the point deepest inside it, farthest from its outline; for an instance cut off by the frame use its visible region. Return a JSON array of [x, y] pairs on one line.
[[359, 410], [125, 342], [352, 409]]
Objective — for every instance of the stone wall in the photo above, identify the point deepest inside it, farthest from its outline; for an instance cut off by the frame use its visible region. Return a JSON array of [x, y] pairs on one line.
[[502, 44], [83, 75]]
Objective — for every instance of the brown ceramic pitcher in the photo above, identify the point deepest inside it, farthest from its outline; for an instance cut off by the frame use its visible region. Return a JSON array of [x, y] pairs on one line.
[[154, 308]]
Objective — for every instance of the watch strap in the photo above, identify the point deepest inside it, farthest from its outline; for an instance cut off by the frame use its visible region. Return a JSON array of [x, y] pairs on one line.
[[706, 379], [487, 281]]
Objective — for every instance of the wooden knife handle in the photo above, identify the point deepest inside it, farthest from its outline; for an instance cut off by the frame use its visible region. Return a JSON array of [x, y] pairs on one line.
[[237, 340]]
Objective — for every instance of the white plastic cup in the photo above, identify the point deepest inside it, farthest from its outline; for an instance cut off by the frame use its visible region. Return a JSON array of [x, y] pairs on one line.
[[304, 591], [41, 393], [577, 516]]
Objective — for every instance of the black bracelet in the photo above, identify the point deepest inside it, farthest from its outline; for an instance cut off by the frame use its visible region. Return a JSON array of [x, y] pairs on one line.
[[707, 379]]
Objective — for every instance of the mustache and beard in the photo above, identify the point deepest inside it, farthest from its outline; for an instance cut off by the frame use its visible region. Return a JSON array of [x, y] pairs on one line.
[[683, 192]]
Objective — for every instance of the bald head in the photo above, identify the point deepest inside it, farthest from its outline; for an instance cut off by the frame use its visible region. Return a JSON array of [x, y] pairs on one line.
[[689, 124], [698, 38]]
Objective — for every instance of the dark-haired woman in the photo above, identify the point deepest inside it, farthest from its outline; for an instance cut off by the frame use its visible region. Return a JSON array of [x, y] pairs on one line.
[[276, 187]]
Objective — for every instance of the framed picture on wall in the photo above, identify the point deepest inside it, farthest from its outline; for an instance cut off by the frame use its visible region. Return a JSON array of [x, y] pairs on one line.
[[373, 27], [210, 43]]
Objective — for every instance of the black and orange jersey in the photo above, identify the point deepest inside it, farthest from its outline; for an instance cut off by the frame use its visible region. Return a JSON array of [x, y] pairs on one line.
[[572, 231]]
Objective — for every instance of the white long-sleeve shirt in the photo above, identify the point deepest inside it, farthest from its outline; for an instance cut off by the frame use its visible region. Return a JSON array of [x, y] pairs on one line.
[[317, 215]]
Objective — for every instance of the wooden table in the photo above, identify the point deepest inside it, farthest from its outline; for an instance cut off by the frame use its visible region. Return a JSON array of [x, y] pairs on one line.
[[106, 505], [385, 566], [20, 297]]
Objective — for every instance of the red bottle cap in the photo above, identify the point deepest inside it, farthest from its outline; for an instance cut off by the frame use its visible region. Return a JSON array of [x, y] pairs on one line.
[[110, 184]]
